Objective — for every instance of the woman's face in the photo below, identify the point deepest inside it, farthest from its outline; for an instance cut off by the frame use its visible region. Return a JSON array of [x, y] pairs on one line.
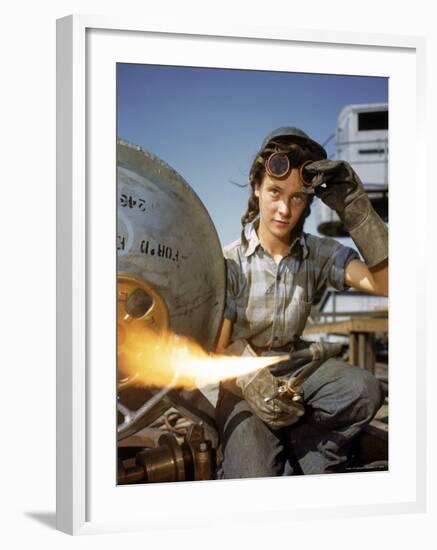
[[281, 204]]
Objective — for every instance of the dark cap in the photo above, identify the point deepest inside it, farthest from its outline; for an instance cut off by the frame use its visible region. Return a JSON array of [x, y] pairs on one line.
[[297, 136]]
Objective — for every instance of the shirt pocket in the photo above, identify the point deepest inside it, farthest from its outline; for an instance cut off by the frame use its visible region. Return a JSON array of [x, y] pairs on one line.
[[259, 311], [298, 312]]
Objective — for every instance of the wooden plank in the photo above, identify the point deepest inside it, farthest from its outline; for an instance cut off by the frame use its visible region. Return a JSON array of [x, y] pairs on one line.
[[363, 324], [370, 352], [361, 350], [353, 348]]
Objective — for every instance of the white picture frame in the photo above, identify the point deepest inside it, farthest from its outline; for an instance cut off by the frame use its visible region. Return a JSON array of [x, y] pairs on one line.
[[87, 500]]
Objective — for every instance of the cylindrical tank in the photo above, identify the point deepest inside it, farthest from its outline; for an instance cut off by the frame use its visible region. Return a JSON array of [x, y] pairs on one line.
[[170, 274], [166, 238]]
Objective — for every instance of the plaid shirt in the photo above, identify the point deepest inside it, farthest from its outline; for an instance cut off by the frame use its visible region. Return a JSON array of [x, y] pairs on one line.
[[269, 303]]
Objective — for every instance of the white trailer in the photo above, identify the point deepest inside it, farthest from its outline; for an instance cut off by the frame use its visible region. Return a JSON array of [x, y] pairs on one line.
[[361, 138]]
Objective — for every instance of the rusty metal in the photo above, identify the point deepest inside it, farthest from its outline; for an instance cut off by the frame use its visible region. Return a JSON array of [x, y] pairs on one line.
[[164, 463], [129, 474], [169, 460], [201, 453], [204, 461]]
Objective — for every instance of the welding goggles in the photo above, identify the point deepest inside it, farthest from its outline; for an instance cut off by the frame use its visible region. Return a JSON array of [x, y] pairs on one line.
[[279, 164]]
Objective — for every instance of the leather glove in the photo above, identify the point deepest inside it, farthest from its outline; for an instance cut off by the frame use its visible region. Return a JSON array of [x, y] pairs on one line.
[[338, 186], [282, 408]]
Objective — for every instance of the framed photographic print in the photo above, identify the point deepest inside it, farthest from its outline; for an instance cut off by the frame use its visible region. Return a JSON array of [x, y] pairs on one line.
[[164, 145]]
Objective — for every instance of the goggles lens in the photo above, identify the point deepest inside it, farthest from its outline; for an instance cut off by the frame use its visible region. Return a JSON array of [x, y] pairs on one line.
[[278, 165], [304, 176]]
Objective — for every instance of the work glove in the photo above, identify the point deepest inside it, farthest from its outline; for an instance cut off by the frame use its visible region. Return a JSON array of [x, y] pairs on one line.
[[264, 393], [272, 399], [338, 186]]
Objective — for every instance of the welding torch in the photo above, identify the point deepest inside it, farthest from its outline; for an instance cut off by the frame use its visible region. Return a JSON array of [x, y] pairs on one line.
[[319, 352], [291, 387]]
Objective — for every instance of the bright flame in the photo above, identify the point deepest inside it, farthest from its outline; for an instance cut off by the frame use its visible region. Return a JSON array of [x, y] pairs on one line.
[[163, 360]]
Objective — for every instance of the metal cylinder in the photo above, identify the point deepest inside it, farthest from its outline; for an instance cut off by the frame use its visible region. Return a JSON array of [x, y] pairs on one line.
[[203, 461], [164, 463], [166, 237], [129, 474], [170, 266]]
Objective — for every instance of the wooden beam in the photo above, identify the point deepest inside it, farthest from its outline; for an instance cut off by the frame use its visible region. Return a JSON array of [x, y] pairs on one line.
[[362, 324], [353, 348]]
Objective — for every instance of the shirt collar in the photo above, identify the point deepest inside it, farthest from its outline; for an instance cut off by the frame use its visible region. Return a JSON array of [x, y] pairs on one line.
[[251, 242]]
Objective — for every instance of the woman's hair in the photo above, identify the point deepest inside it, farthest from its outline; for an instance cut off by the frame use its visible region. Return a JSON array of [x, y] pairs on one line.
[[299, 153]]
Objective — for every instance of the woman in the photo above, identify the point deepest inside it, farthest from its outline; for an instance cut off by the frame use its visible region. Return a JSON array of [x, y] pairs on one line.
[[274, 272]]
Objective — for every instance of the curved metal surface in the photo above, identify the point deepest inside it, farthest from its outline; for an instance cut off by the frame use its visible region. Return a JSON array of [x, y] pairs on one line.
[[166, 236], [169, 257], [138, 304]]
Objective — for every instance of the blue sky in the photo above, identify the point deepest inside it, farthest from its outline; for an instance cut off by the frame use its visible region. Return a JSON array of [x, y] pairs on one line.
[[207, 124]]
